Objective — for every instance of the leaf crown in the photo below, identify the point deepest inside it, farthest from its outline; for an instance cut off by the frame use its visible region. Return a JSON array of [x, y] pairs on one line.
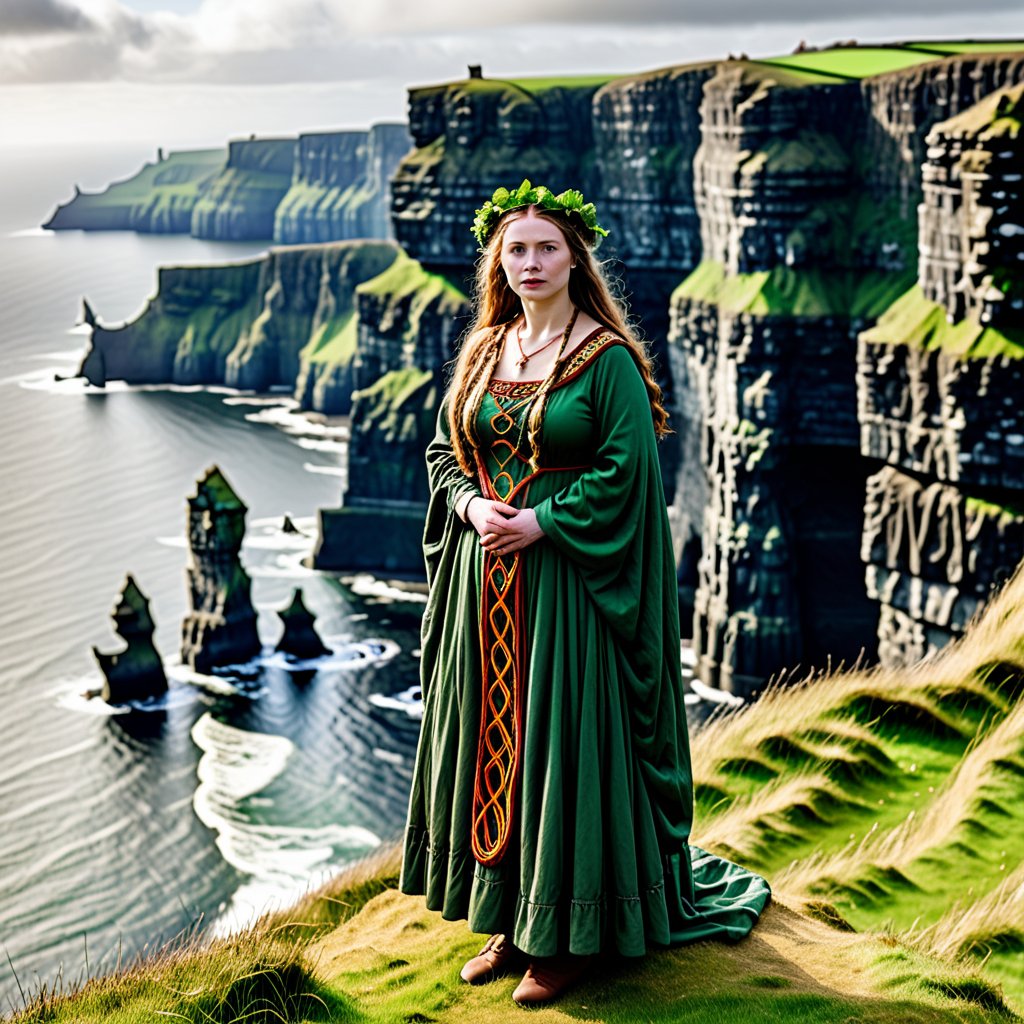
[[570, 202]]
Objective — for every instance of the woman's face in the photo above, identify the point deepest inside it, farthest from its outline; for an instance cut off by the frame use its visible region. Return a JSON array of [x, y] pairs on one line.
[[535, 257]]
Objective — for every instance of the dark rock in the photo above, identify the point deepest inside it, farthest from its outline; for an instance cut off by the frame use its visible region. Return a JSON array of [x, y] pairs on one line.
[[137, 672], [340, 187], [939, 384], [221, 628], [241, 201], [409, 321], [287, 526], [300, 638]]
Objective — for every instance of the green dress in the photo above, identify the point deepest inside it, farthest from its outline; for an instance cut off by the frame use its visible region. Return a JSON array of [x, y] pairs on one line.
[[552, 797]]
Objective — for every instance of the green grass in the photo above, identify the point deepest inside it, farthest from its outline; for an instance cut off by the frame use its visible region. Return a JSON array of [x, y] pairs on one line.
[[785, 291], [914, 320], [334, 341], [181, 173], [982, 46], [853, 61]]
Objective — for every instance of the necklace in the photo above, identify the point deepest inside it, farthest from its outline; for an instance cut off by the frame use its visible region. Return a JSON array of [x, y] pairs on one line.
[[519, 342], [542, 390]]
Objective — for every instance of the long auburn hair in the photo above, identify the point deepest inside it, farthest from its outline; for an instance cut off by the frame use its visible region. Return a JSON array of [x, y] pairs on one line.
[[498, 306]]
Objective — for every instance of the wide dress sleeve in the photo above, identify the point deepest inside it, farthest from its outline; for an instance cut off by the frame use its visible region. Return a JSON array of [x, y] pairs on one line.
[[612, 523]]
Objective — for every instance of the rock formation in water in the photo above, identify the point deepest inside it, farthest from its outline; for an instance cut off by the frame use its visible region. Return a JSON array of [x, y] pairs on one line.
[[220, 629], [300, 638], [137, 672], [159, 198], [340, 186]]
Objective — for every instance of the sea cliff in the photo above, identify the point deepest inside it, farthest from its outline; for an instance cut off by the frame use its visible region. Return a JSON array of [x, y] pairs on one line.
[[318, 187]]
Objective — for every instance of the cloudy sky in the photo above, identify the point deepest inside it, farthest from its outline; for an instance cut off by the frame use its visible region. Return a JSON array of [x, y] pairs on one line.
[[194, 72]]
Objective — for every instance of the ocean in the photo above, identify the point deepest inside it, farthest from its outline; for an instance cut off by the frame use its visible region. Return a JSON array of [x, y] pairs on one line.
[[120, 831]]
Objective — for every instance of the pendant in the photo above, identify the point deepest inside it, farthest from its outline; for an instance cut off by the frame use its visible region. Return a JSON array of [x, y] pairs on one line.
[[522, 362]]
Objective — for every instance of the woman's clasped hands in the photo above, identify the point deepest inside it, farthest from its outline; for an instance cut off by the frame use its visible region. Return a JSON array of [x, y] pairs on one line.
[[503, 528]]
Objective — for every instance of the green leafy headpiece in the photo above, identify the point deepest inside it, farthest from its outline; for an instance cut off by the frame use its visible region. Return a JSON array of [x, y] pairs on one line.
[[570, 202]]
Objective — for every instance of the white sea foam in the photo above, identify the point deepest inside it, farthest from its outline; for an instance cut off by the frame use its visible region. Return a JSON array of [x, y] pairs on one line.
[[172, 542], [280, 859], [307, 523], [317, 444], [286, 415], [409, 702], [382, 592], [701, 691]]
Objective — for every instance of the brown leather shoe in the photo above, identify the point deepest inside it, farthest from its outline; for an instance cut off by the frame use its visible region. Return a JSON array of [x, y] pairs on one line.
[[547, 979], [491, 962]]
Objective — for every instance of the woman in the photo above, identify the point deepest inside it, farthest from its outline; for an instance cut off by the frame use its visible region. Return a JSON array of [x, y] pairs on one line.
[[552, 796]]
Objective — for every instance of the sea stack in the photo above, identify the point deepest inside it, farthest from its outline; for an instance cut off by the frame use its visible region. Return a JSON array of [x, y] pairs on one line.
[[221, 628], [300, 638], [137, 672]]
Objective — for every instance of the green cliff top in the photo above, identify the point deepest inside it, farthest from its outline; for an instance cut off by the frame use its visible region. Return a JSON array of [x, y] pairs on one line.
[[852, 61], [182, 171], [914, 320], [213, 491], [534, 85], [950, 49]]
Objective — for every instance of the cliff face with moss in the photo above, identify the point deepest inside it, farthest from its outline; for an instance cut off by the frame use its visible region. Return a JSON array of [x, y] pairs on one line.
[[286, 318], [339, 188], [763, 216], [159, 198], [808, 326], [940, 379]]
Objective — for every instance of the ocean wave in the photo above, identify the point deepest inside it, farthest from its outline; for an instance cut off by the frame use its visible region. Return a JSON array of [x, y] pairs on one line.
[[237, 765]]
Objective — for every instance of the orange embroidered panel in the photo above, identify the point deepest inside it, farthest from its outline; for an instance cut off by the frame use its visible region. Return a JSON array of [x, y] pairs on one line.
[[503, 639], [513, 388], [502, 650]]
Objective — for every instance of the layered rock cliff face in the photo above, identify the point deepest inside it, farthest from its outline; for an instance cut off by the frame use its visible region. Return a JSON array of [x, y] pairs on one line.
[[159, 198], [282, 319], [409, 320], [340, 186], [241, 201], [475, 136], [762, 342], [940, 380], [807, 239]]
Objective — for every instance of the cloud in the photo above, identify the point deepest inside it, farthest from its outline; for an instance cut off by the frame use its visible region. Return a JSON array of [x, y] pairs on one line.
[[270, 41], [42, 17]]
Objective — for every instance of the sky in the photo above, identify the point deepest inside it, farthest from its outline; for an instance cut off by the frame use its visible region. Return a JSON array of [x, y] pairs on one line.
[[197, 72]]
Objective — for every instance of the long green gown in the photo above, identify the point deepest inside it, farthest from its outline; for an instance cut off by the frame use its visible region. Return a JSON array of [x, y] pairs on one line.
[[561, 817]]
